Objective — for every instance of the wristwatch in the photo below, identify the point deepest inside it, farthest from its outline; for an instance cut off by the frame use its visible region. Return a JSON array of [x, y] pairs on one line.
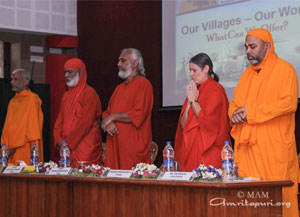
[[193, 101]]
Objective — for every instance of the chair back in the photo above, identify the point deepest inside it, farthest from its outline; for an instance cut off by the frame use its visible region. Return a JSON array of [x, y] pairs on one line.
[[154, 151]]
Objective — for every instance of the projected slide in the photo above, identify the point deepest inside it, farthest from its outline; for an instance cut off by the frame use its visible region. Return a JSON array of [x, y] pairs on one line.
[[218, 28]]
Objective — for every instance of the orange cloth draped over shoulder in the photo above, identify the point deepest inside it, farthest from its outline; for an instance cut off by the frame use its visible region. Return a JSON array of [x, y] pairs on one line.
[[23, 126], [265, 145], [202, 139], [133, 142], [77, 121]]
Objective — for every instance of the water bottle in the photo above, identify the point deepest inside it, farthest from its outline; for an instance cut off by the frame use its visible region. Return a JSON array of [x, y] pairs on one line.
[[34, 155], [227, 163], [168, 155], [64, 155], [4, 156]]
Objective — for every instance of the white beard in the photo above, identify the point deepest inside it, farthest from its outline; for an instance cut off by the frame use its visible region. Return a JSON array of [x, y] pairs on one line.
[[124, 73], [73, 82]]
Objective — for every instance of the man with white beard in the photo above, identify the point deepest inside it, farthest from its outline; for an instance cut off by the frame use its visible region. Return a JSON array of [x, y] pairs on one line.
[[77, 121], [127, 119]]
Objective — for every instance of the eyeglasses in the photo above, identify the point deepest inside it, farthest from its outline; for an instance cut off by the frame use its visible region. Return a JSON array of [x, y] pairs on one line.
[[70, 71]]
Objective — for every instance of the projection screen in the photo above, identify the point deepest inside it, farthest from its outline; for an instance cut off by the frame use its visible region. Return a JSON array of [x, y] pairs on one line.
[[218, 28]]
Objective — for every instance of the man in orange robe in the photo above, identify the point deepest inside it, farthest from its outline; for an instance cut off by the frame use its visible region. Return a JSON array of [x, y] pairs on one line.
[[77, 121], [203, 125], [24, 120], [127, 119], [262, 113]]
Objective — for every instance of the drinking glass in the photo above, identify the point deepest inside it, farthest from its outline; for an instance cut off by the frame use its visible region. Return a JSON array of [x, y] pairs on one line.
[[81, 165]]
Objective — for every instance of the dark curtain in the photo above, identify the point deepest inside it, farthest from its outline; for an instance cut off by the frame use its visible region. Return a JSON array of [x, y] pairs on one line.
[[106, 27]]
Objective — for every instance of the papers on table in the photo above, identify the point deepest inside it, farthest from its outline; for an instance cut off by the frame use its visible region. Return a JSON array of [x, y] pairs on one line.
[[177, 176], [13, 169], [246, 179], [119, 174], [60, 171]]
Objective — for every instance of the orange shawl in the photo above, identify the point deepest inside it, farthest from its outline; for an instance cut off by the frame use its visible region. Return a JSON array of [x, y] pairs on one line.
[[246, 133], [265, 145], [133, 142], [77, 122], [71, 102], [201, 140], [23, 126]]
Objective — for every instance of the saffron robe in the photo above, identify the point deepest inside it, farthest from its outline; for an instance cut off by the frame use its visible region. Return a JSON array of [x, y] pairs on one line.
[[265, 145], [23, 126], [78, 120], [202, 139], [133, 142]]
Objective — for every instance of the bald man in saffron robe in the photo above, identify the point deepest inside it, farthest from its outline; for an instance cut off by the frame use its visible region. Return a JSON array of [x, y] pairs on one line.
[[24, 120], [77, 122], [127, 119], [262, 114]]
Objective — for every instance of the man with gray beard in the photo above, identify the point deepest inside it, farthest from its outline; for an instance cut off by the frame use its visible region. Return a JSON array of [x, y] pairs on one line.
[[127, 119], [77, 121], [24, 120]]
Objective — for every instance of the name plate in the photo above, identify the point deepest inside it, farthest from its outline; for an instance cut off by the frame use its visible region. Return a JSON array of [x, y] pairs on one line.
[[13, 169], [125, 174], [178, 176], [60, 171]]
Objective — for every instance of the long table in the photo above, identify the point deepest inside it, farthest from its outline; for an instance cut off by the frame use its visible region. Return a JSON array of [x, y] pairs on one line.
[[68, 196]]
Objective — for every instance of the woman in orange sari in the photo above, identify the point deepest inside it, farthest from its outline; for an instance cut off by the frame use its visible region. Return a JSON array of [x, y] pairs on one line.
[[203, 124]]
